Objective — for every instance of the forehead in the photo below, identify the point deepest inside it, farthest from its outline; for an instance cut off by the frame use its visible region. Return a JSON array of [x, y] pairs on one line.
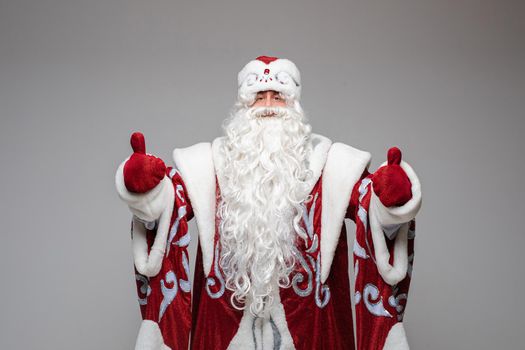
[[273, 92]]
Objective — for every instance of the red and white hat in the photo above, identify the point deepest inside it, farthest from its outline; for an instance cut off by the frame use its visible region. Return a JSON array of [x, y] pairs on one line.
[[269, 73]]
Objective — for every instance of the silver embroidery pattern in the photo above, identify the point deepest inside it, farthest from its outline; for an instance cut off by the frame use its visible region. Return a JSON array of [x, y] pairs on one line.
[[144, 288], [359, 251], [322, 292], [172, 173], [371, 295], [184, 241], [394, 301], [185, 285], [168, 294], [363, 188], [357, 297], [308, 219], [212, 281], [299, 277], [181, 212], [314, 246], [376, 308], [362, 213]]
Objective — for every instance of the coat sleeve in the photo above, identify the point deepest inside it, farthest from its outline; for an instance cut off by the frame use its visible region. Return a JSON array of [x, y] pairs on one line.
[[160, 240], [383, 258]]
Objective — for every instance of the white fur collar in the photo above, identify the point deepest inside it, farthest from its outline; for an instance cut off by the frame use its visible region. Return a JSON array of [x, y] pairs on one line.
[[343, 168], [196, 169]]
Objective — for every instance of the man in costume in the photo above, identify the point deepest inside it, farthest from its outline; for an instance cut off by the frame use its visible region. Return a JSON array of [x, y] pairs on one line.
[[269, 199]]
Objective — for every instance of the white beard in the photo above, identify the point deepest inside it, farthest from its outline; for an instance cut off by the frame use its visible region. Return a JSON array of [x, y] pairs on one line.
[[264, 177]]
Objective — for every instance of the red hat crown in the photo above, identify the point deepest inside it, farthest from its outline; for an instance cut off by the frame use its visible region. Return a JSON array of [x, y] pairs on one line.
[[267, 59]]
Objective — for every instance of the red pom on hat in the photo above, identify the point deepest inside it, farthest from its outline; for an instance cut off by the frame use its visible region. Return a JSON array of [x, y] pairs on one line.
[[267, 59]]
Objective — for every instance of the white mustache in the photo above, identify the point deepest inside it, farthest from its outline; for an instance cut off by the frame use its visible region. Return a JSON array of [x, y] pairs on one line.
[[261, 112]]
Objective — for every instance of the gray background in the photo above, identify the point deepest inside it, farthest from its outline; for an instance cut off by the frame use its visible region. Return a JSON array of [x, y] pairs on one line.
[[443, 80]]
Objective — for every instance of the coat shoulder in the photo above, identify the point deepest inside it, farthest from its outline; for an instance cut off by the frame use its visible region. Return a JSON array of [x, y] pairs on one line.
[[342, 151]]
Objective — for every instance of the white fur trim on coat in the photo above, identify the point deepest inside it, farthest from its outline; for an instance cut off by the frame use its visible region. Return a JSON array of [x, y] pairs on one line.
[[344, 166], [263, 333], [380, 217], [156, 204], [195, 166], [150, 337], [396, 339]]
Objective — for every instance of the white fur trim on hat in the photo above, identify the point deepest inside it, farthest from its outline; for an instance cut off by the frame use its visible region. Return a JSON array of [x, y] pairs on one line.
[[269, 73]]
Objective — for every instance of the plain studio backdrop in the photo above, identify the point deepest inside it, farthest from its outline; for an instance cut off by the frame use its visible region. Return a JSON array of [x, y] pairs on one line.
[[443, 80]]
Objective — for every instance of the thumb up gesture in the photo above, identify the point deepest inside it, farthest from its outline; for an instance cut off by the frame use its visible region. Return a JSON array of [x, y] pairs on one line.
[[390, 182], [142, 172]]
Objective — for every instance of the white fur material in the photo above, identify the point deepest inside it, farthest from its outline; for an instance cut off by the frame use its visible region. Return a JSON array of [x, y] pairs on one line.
[[150, 337], [280, 75], [320, 147], [156, 204], [381, 216], [392, 274], [262, 331], [396, 339], [343, 169], [195, 166]]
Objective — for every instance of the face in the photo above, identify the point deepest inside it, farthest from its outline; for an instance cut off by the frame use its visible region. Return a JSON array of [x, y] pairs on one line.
[[269, 98]]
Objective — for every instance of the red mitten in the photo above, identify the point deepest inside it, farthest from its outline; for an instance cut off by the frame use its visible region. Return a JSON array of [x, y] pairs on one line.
[[142, 172], [390, 182]]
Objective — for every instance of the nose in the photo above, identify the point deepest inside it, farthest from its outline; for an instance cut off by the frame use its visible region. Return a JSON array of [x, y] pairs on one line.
[[268, 99]]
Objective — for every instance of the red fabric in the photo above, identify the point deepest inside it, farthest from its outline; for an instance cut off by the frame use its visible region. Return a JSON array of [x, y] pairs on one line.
[[391, 183], [330, 326], [354, 198], [216, 320], [175, 322], [313, 327], [142, 172], [372, 328], [267, 59]]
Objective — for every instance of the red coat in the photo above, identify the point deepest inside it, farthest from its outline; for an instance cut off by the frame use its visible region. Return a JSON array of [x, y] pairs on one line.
[[315, 312]]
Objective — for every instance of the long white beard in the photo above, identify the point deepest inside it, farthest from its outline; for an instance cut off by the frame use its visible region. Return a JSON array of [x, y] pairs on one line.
[[264, 178]]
